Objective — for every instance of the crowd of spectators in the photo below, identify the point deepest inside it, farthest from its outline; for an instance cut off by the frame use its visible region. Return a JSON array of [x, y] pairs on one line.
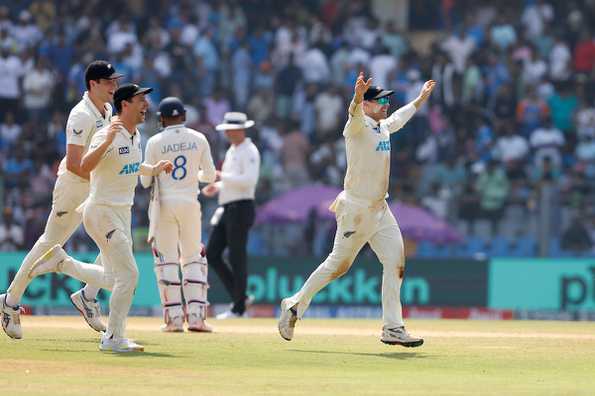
[[513, 114]]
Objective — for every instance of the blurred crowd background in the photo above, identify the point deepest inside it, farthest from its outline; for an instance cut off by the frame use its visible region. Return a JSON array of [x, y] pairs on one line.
[[504, 152]]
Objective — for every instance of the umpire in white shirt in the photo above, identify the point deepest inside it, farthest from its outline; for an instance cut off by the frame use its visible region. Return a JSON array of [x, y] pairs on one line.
[[234, 217]]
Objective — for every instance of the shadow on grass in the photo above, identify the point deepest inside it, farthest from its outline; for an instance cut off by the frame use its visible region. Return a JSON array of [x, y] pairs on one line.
[[73, 340], [386, 355], [141, 354], [88, 340], [125, 354]]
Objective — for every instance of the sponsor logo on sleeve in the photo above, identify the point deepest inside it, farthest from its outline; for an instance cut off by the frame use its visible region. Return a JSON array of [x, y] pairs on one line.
[[77, 133]]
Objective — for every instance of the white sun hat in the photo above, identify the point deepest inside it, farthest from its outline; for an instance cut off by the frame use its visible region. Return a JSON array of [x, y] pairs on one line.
[[234, 120]]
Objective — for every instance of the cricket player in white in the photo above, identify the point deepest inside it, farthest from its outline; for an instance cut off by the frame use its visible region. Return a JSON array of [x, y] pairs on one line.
[[92, 113], [362, 212], [175, 216], [114, 161]]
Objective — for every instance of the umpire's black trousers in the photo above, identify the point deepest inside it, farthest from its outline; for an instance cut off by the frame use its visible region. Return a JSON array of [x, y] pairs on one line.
[[232, 232]]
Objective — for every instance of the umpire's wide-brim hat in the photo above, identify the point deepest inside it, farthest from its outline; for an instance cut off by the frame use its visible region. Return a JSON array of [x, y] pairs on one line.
[[234, 120]]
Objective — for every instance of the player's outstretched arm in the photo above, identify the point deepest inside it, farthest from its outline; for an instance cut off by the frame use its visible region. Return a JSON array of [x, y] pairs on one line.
[[153, 170], [400, 117]]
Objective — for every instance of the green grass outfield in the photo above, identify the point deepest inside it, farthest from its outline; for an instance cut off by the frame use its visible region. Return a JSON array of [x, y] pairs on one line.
[[59, 356]]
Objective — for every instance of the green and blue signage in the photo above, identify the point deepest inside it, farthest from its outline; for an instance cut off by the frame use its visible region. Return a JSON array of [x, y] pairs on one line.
[[542, 284], [456, 283]]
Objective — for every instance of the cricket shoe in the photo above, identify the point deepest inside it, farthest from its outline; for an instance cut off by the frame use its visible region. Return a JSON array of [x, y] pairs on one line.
[[119, 345], [11, 319], [229, 314], [399, 336], [51, 261], [287, 320], [198, 324], [89, 309]]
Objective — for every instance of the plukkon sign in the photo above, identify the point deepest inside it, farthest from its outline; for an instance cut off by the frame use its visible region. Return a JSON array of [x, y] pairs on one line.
[[455, 283]]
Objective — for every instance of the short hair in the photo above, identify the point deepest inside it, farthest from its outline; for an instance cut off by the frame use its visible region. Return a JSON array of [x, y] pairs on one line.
[[118, 104]]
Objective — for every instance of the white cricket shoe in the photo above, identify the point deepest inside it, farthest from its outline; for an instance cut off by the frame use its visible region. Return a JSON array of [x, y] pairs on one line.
[[399, 336], [11, 319], [229, 314], [51, 261], [90, 310], [287, 320], [119, 345], [198, 324]]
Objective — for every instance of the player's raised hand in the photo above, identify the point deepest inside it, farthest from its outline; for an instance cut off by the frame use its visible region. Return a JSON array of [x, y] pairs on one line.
[[361, 86], [114, 127], [424, 94], [427, 89]]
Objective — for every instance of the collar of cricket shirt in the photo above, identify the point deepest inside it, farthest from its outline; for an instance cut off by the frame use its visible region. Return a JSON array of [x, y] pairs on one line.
[[243, 144], [375, 125], [181, 125], [127, 133]]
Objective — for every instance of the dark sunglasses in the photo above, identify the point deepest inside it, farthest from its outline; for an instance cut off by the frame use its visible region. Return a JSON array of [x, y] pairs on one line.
[[383, 101]]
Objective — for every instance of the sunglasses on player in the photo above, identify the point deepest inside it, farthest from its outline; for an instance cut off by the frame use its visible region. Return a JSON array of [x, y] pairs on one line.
[[383, 101]]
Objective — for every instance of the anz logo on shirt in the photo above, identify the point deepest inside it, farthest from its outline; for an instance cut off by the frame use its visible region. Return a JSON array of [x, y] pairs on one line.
[[130, 169], [383, 145]]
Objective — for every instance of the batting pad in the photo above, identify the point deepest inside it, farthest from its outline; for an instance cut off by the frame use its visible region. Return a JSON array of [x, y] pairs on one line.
[[170, 287], [195, 286]]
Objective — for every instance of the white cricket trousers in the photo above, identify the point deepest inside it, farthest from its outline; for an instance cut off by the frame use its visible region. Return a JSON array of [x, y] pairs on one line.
[[110, 228], [178, 235], [357, 223], [178, 242], [62, 222]]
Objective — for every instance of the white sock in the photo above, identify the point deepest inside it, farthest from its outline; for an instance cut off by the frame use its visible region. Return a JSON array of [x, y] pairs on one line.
[[11, 301], [90, 292]]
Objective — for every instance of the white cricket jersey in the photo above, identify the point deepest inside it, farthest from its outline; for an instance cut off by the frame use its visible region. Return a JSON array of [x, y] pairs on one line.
[[83, 121], [239, 173], [114, 178], [368, 152], [190, 153]]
